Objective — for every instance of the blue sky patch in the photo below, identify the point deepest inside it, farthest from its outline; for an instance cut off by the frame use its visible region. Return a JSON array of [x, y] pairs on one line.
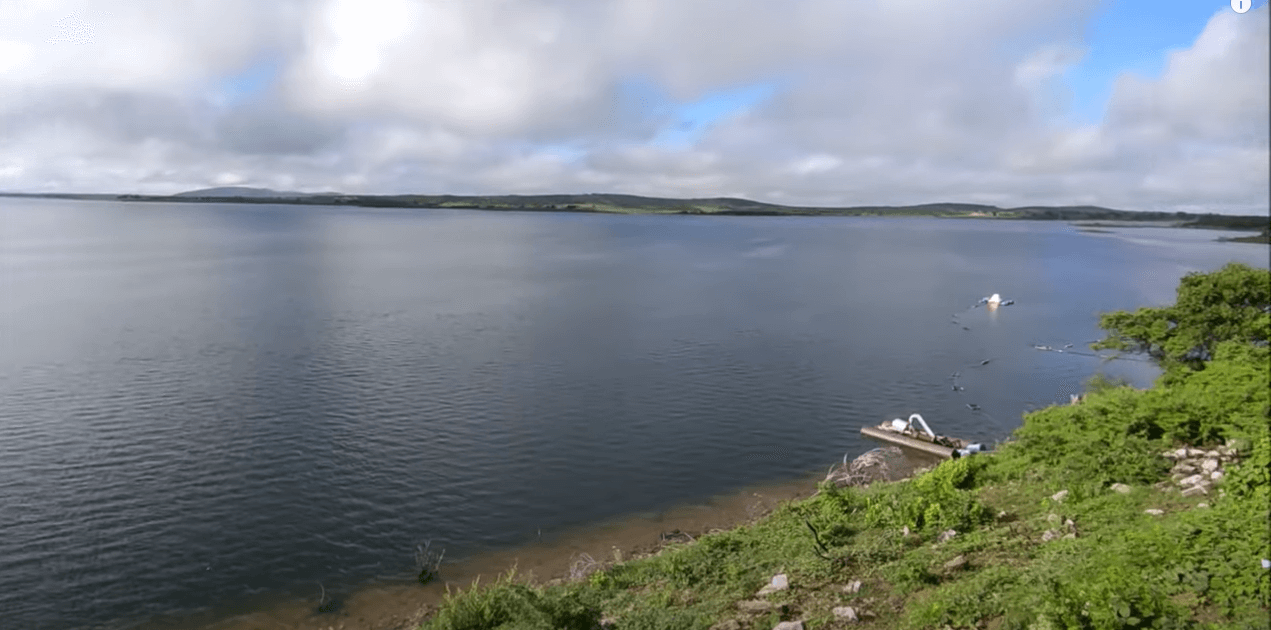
[[684, 123], [252, 81], [1134, 36]]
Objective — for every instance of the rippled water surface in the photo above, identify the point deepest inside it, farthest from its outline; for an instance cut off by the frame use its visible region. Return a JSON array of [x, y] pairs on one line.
[[211, 407]]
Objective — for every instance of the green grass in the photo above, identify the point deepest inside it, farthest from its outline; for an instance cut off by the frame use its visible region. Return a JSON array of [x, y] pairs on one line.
[[1191, 567]]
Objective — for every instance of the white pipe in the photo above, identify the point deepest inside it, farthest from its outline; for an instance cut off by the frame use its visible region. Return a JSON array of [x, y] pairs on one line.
[[922, 422]]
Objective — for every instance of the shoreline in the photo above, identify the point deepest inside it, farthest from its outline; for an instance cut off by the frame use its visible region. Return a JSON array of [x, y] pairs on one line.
[[622, 204], [403, 605]]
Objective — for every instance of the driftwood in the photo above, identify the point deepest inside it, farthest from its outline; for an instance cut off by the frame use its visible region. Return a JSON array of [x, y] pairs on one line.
[[582, 566], [881, 464]]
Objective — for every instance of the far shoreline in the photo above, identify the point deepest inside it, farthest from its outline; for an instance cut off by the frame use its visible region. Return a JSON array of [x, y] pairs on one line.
[[620, 204]]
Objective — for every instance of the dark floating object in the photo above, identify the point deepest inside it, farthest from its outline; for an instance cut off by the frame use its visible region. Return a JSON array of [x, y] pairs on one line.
[[958, 388], [965, 328], [956, 374], [429, 562], [327, 606], [1068, 345], [973, 406], [985, 362]]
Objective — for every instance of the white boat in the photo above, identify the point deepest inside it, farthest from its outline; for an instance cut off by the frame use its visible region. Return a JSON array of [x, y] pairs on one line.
[[995, 300]]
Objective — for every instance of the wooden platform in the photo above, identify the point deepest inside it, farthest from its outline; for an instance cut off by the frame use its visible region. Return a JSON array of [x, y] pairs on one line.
[[904, 441]]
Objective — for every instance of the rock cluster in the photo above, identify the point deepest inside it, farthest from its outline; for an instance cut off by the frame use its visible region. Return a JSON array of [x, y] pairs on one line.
[[1065, 532], [1196, 471]]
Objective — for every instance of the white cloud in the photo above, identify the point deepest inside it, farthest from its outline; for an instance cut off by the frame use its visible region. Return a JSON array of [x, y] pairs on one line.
[[814, 164], [878, 102]]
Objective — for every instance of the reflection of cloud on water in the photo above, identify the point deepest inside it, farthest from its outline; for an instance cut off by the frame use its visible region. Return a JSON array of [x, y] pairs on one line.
[[715, 265], [775, 250], [581, 257]]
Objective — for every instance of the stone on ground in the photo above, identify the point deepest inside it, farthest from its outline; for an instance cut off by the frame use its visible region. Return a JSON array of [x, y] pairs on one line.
[[779, 583], [846, 613]]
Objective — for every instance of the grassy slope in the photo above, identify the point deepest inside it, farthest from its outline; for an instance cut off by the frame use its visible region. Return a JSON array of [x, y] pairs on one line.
[[1191, 567]]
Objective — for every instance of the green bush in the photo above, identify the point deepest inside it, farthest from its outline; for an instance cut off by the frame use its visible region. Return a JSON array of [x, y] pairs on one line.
[[937, 500], [967, 602], [507, 605], [1108, 597], [1233, 303]]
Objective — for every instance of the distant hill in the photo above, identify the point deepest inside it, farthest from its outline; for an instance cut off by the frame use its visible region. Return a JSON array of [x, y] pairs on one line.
[[245, 191], [613, 203]]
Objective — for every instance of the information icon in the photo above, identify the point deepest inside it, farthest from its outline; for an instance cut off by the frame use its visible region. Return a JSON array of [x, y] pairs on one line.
[[1241, 6]]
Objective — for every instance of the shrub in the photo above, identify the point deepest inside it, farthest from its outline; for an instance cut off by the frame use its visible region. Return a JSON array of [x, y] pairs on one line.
[[1233, 303], [508, 605], [937, 500]]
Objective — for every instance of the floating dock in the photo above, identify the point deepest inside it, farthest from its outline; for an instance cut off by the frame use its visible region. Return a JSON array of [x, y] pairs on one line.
[[906, 434], [891, 437]]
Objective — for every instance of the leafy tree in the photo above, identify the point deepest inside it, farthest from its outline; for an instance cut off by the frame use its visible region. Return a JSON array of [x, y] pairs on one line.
[[1231, 304]]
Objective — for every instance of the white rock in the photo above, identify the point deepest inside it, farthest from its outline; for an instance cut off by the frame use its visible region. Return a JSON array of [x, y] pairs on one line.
[[1192, 480], [1180, 453], [1209, 465], [1212, 454], [853, 587], [1186, 469], [1050, 535], [1154, 511], [789, 625], [1216, 475], [1195, 452], [1120, 487], [1202, 505], [1195, 490], [946, 535], [779, 583], [1059, 497], [846, 613]]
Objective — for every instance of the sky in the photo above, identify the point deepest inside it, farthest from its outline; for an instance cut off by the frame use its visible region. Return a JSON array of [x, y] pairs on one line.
[[1128, 104]]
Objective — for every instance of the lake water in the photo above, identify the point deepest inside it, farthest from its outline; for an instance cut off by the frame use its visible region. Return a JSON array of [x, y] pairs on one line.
[[208, 410]]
